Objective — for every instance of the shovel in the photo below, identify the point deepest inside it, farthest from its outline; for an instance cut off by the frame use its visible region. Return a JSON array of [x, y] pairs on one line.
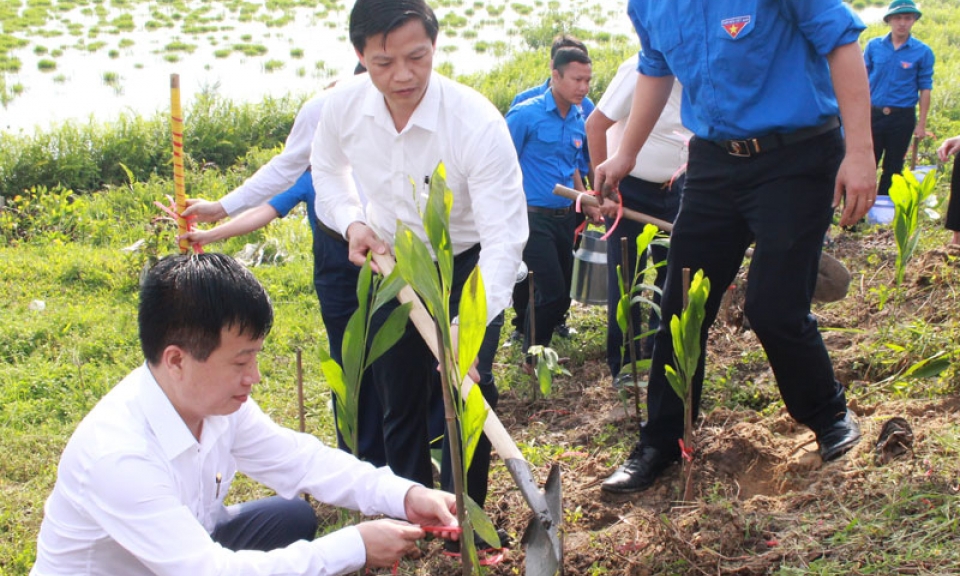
[[833, 278], [542, 537]]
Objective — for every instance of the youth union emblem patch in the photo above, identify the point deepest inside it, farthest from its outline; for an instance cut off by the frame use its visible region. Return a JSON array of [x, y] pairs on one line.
[[734, 25]]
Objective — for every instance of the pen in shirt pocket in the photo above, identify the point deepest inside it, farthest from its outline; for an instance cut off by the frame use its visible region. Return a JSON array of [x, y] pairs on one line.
[[219, 480]]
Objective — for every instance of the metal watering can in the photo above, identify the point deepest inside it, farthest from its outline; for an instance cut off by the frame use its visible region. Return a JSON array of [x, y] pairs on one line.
[[589, 283]]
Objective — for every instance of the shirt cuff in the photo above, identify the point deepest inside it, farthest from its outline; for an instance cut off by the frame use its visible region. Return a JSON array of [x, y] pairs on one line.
[[342, 550], [232, 203], [394, 495]]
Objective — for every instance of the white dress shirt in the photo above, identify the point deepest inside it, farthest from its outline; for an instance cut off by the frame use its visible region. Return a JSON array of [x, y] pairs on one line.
[[136, 493], [453, 124], [665, 151], [283, 170]]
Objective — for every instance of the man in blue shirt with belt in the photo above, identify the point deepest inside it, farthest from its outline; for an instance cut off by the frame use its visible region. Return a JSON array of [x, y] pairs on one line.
[[900, 69], [548, 133], [768, 164], [520, 294]]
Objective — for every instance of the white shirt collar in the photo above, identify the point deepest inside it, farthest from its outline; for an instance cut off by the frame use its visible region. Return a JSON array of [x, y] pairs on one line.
[[171, 431], [426, 115]]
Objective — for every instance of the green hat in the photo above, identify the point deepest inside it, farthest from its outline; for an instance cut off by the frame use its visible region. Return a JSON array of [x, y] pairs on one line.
[[902, 7]]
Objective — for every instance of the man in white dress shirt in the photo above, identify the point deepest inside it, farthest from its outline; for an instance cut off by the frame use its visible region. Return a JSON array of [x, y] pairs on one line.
[[142, 482], [389, 130]]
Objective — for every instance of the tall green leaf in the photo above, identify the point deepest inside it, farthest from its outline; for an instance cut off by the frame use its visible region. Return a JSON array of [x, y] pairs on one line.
[[389, 332], [417, 269], [436, 223], [472, 315], [474, 416], [347, 403]]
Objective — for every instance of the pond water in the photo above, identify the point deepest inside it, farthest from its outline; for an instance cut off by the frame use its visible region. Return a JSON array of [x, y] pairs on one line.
[[105, 64]]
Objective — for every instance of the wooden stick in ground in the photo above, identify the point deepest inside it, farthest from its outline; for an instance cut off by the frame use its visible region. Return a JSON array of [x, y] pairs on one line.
[[300, 411], [631, 346], [688, 411], [531, 329], [456, 460]]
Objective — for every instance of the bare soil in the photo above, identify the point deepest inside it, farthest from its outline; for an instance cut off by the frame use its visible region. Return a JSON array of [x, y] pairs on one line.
[[763, 498]]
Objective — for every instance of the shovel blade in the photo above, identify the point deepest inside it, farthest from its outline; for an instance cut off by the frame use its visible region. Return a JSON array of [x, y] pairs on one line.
[[542, 538]]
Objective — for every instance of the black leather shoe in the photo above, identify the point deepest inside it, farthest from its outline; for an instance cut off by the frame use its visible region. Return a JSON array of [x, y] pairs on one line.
[[838, 438], [642, 468]]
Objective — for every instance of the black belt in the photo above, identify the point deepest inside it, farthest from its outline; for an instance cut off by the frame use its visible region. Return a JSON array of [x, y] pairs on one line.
[[330, 232], [888, 110], [549, 211], [747, 147]]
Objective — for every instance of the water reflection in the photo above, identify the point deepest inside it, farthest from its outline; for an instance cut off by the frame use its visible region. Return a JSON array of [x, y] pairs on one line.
[[139, 72]]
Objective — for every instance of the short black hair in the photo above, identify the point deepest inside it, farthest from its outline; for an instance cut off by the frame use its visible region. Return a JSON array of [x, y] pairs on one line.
[[566, 41], [187, 301], [371, 17], [565, 56]]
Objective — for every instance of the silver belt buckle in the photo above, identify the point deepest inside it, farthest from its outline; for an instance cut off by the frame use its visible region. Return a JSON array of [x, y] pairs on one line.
[[738, 148]]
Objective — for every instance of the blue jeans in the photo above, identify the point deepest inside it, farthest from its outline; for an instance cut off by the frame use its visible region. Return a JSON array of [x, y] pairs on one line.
[[782, 200]]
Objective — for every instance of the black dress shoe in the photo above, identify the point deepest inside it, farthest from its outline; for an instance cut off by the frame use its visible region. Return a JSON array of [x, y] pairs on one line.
[[639, 472], [838, 438]]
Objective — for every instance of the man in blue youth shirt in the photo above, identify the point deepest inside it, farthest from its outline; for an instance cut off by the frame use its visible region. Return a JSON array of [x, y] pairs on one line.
[[900, 69], [768, 164], [520, 294], [548, 133]]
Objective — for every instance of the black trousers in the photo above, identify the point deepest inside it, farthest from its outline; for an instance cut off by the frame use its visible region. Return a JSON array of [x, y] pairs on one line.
[[891, 139], [953, 206], [405, 378], [782, 200], [655, 200], [549, 255]]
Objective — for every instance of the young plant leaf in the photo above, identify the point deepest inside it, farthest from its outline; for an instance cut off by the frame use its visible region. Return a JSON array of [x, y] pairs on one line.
[[346, 402], [389, 332], [418, 270], [474, 416], [481, 523], [472, 316]]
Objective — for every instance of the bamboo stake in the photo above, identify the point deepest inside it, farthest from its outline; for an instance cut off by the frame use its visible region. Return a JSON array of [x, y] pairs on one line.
[[625, 267], [532, 328], [179, 186], [456, 459]]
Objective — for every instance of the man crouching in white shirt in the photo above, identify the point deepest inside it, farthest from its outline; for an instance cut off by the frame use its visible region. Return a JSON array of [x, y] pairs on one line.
[[141, 484]]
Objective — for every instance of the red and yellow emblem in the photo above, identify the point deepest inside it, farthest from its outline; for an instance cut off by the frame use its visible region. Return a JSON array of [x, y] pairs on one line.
[[735, 25]]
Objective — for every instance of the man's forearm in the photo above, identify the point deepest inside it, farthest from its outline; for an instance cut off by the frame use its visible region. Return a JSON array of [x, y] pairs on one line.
[[853, 96], [924, 107], [597, 125], [649, 99]]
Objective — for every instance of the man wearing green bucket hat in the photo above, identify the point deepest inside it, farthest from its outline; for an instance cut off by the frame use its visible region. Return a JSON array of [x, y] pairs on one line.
[[900, 69]]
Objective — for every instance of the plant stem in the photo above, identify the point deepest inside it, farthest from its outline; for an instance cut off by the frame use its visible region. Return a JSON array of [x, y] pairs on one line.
[[687, 410], [456, 461]]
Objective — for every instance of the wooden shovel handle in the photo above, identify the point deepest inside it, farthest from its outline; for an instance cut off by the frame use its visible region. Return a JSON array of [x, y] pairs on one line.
[[492, 426]]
